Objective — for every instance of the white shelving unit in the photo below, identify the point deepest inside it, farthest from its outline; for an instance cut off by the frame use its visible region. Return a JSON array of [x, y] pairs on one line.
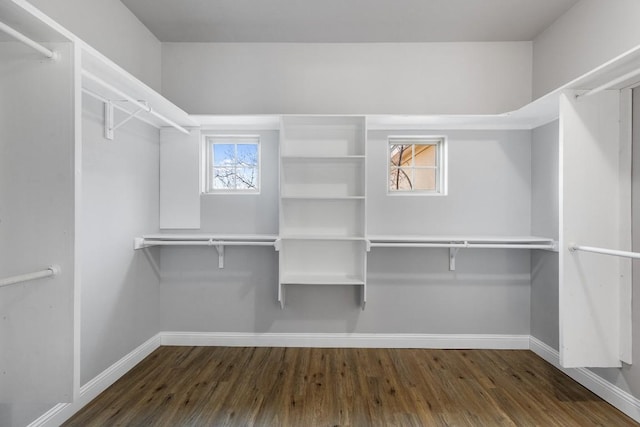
[[322, 202]]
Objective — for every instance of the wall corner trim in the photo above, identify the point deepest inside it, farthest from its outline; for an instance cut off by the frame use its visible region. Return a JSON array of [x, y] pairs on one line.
[[63, 411], [620, 399]]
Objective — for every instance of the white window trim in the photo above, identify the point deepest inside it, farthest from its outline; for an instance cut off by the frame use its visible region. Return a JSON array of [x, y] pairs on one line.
[[206, 165], [441, 161]]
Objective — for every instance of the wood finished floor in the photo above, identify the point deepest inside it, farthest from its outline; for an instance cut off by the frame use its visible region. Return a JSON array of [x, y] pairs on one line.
[[223, 386]]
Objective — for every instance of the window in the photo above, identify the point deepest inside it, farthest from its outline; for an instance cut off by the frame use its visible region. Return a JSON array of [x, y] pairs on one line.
[[416, 165], [232, 164]]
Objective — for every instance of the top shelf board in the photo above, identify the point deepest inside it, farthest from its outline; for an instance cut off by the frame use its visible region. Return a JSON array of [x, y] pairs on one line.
[[104, 69], [450, 239], [214, 237]]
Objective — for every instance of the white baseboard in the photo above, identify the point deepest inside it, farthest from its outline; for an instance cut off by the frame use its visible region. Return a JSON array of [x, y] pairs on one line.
[[346, 340], [63, 411], [609, 392]]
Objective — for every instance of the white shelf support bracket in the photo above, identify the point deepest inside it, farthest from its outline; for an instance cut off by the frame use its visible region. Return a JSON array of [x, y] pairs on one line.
[[452, 258], [277, 245], [368, 245], [220, 249], [281, 295], [139, 243], [108, 120], [109, 117]]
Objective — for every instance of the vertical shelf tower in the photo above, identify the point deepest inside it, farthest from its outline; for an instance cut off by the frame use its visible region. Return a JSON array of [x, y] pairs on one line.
[[322, 202]]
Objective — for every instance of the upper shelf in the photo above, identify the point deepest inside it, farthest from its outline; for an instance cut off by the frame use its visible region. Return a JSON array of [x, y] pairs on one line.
[[97, 67], [27, 19]]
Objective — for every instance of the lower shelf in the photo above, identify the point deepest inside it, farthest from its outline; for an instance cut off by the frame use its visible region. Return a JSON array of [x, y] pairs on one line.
[[331, 280]]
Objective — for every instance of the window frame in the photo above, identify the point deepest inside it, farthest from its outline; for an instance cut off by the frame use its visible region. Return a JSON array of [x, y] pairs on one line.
[[440, 141], [208, 166]]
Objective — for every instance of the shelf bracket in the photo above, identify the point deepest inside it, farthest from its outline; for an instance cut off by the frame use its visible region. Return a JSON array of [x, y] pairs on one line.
[[139, 243], [452, 258], [277, 244], [281, 295], [108, 120], [367, 244], [109, 117], [220, 249]]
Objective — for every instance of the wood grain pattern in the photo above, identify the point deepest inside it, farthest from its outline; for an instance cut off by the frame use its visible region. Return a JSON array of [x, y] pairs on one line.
[[236, 386]]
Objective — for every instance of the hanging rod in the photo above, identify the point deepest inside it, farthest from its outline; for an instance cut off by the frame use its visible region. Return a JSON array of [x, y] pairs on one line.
[[26, 40], [612, 83], [625, 254], [50, 271], [133, 101]]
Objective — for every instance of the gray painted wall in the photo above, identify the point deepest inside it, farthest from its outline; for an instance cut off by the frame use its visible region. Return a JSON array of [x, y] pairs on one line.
[[112, 29], [246, 214], [409, 291], [347, 78], [489, 175], [589, 34], [120, 294], [36, 230], [544, 222]]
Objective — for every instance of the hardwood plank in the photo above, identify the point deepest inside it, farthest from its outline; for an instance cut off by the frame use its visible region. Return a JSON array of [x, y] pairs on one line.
[[235, 386]]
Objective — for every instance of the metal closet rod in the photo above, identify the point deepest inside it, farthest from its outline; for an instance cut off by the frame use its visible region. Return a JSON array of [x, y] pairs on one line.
[[48, 272], [26, 40], [90, 76], [625, 254]]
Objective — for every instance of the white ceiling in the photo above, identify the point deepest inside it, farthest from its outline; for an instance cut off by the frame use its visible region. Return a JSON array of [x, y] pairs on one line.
[[347, 20]]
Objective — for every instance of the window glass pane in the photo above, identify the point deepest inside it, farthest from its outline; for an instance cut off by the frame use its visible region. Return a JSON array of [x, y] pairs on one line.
[[401, 154], [400, 179], [223, 154], [248, 154], [425, 154], [224, 178], [424, 179], [246, 178]]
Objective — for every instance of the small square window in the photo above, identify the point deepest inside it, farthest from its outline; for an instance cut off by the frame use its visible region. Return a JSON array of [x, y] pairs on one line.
[[232, 164], [416, 165]]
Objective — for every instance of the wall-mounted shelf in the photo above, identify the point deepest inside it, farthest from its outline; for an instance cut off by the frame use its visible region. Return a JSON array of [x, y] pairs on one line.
[[455, 243], [218, 241], [106, 81]]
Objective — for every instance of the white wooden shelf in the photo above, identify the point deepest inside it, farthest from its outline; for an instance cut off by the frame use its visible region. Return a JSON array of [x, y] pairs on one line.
[[322, 279], [455, 243], [321, 197], [333, 237], [217, 241], [198, 236], [106, 81], [471, 239]]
